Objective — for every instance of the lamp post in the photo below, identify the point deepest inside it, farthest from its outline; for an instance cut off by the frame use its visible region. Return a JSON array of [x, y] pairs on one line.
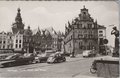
[[73, 53]]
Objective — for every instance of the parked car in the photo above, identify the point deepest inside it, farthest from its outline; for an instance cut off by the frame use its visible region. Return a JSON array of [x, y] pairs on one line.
[[3, 56], [88, 53], [43, 57], [14, 60], [10, 57], [56, 57]]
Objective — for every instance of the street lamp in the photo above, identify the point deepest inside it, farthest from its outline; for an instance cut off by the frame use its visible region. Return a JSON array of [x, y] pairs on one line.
[[73, 53]]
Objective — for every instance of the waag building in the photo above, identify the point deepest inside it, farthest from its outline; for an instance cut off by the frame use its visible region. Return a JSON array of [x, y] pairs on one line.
[[82, 33]]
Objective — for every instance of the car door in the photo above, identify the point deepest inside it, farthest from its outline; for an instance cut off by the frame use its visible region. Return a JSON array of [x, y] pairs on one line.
[[20, 60]]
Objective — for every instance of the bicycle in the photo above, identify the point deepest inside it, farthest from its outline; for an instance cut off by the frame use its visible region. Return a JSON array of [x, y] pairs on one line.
[[93, 68]]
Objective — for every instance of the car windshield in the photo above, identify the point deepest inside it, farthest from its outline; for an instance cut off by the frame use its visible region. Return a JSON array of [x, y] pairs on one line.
[[52, 55], [87, 51], [48, 51], [10, 57], [27, 54]]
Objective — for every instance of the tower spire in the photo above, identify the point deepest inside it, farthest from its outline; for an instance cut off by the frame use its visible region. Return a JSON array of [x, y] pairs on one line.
[[18, 25], [84, 6], [19, 10], [18, 18], [96, 21]]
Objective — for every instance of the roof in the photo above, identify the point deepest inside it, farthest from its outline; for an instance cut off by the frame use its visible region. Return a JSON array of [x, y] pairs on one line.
[[3, 32], [27, 32], [101, 27], [50, 31], [37, 30]]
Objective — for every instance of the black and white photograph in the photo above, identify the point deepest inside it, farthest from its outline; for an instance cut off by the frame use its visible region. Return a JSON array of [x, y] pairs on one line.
[[59, 39]]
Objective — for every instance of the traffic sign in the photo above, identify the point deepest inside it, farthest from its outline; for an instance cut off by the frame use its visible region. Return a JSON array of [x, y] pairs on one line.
[[105, 41]]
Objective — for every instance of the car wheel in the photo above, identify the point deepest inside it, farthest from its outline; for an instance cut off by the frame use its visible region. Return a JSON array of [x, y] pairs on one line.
[[93, 71], [64, 59], [1, 66], [55, 61], [34, 61], [40, 61], [9, 64], [30, 62], [59, 61]]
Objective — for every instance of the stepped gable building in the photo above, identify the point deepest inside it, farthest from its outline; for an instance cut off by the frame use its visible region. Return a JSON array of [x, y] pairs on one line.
[[6, 42], [81, 34], [47, 39], [56, 38], [37, 39], [28, 45]]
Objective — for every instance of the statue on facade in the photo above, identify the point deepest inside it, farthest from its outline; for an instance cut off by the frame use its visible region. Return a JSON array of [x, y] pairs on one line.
[[116, 33]]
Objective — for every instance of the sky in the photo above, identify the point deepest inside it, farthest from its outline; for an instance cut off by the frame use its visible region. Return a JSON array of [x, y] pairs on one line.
[[57, 13]]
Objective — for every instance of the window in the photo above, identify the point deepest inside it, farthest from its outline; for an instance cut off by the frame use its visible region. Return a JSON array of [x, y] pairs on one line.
[[84, 12], [3, 42], [89, 25], [80, 25], [90, 32], [80, 32], [16, 41], [3, 47], [85, 35], [19, 45], [100, 31], [16, 46], [85, 31], [8, 46], [100, 34], [0, 42], [71, 36], [10, 37], [19, 41], [80, 35]]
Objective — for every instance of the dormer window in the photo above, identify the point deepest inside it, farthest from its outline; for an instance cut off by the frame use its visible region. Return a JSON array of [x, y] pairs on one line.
[[84, 13]]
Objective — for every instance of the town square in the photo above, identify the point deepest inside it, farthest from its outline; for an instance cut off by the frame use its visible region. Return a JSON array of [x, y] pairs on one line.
[[59, 39]]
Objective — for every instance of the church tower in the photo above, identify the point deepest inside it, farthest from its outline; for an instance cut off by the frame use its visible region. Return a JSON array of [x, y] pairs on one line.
[[18, 25]]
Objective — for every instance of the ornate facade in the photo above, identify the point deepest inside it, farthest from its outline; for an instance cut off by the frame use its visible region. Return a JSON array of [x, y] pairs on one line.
[[47, 39], [81, 33], [6, 40], [28, 45]]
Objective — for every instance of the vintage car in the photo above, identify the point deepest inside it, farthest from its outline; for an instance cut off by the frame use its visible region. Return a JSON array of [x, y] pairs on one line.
[[43, 57], [88, 53], [14, 60], [56, 58]]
